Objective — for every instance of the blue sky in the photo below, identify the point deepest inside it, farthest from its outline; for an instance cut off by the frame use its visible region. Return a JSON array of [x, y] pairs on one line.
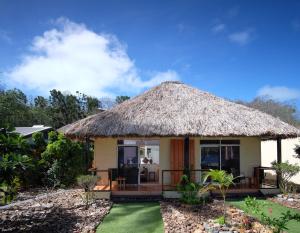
[[234, 49]]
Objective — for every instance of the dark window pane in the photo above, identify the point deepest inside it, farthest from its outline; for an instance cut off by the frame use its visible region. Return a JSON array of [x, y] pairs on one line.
[[210, 158], [230, 159]]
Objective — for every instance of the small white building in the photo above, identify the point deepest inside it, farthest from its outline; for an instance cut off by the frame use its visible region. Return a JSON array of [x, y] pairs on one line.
[[269, 153]]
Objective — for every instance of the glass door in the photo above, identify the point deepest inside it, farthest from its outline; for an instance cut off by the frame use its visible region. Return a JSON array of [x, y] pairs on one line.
[[128, 163]]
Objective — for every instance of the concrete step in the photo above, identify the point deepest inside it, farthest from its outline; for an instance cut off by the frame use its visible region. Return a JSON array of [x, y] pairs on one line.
[[135, 198]]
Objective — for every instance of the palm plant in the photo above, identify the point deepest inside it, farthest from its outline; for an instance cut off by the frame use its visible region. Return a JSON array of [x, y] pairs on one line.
[[221, 180]]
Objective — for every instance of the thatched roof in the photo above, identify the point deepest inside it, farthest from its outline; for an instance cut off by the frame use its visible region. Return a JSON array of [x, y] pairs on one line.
[[175, 109]]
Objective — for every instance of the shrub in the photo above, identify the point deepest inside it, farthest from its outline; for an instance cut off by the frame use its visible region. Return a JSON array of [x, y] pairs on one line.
[[285, 171], [188, 190], [65, 160], [87, 182]]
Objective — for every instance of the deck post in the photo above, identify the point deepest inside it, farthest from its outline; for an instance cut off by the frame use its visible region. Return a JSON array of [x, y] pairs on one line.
[[186, 155], [279, 159]]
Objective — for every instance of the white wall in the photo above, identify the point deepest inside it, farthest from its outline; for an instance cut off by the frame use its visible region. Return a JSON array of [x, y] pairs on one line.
[[269, 153]]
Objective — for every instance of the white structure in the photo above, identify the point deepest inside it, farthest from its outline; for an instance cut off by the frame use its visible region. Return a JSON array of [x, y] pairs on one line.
[[269, 153]]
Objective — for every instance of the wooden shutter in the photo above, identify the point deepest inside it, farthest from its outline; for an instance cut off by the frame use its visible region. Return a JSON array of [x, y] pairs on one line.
[[177, 158]]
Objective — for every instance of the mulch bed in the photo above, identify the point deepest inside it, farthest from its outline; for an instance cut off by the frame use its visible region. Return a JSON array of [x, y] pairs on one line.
[[201, 219], [57, 211], [289, 200]]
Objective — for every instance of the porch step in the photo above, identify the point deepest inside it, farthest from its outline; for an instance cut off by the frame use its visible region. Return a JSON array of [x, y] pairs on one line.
[[135, 198]]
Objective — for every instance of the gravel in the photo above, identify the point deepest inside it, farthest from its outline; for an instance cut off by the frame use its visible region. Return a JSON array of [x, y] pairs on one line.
[[201, 219], [291, 200], [55, 211]]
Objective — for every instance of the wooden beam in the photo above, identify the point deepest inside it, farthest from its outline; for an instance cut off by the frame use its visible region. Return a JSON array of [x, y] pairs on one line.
[[279, 151], [279, 159], [186, 153]]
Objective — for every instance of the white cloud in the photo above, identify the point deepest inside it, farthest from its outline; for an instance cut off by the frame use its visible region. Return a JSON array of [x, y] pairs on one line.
[[218, 28], [71, 57], [242, 37], [280, 93]]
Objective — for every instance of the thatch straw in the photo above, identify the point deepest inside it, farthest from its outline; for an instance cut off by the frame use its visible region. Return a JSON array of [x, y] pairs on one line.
[[175, 109]]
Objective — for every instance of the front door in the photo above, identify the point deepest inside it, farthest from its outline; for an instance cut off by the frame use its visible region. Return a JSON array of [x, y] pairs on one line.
[[128, 163]]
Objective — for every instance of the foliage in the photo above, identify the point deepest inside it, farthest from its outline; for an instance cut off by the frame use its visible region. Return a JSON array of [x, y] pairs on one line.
[[297, 151], [220, 180], [57, 110], [12, 167], [9, 191], [221, 220], [87, 182], [39, 143], [121, 99], [188, 190], [285, 171], [66, 160], [279, 224], [285, 111]]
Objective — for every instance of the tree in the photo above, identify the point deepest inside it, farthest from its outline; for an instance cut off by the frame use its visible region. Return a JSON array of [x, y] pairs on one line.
[[14, 110], [287, 112], [220, 180], [121, 99], [65, 109], [286, 172]]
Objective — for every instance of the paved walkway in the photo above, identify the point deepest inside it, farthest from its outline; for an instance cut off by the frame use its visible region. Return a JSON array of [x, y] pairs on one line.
[[133, 218]]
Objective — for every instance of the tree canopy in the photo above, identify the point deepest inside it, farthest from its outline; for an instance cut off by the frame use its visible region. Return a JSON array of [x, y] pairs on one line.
[[57, 110], [287, 112]]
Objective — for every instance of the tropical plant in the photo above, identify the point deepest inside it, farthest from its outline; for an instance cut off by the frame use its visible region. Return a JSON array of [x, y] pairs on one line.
[[278, 224], [12, 168], [286, 172], [220, 180], [189, 190], [87, 182]]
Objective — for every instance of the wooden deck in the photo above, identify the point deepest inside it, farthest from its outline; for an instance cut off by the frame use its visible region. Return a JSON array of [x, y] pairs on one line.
[[156, 189]]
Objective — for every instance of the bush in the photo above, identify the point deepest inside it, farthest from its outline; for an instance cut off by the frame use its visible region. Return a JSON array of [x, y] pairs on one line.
[[87, 182], [286, 172], [66, 160], [188, 190]]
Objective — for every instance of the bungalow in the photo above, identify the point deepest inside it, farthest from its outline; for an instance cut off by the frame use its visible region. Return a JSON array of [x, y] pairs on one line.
[[145, 144]]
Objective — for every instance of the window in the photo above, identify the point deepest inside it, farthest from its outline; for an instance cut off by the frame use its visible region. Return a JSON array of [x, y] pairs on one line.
[[221, 154]]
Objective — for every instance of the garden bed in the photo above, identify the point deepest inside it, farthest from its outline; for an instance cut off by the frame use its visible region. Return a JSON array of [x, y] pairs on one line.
[[289, 200], [57, 211], [200, 219]]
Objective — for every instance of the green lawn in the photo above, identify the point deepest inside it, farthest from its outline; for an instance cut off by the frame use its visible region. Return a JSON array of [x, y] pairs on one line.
[[277, 209], [133, 218]]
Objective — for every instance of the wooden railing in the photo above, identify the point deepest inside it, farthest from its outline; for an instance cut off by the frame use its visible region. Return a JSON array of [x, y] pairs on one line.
[[266, 178], [170, 178]]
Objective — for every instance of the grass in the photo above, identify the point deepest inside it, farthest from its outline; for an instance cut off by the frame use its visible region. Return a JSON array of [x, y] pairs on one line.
[[277, 209], [133, 218]]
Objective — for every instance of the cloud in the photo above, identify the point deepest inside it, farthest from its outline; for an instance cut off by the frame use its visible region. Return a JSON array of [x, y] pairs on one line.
[[242, 37], [71, 57], [280, 93], [218, 28]]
